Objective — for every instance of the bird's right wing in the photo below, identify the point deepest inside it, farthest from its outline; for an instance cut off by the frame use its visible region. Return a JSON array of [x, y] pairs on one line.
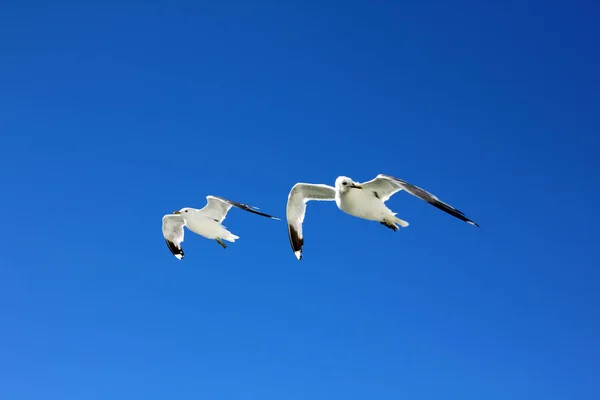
[[300, 194], [172, 228], [384, 186], [217, 208]]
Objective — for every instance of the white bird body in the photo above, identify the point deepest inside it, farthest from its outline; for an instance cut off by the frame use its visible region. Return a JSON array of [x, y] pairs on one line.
[[204, 226], [361, 204], [366, 201]]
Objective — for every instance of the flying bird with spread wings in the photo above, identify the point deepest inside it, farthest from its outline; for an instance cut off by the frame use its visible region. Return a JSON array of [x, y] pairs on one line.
[[363, 200], [206, 222]]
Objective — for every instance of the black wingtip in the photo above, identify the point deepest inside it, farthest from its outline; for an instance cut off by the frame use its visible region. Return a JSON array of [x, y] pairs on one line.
[[296, 241], [246, 207], [452, 211], [177, 251]]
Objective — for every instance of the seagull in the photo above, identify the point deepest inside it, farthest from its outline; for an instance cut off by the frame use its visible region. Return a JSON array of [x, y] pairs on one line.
[[205, 222], [363, 200]]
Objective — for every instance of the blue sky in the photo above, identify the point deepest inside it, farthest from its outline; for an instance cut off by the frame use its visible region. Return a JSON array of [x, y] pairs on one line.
[[113, 114]]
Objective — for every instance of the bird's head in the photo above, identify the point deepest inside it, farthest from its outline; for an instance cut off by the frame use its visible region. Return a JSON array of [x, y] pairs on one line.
[[182, 211], [343, 184]]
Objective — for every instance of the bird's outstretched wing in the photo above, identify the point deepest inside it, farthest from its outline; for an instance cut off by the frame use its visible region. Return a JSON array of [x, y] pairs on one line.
[[300, 194], [218, 207], [384, 186], [172, 228]]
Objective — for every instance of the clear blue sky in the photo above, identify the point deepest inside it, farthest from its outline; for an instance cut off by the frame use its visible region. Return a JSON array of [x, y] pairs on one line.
[[115, 113]]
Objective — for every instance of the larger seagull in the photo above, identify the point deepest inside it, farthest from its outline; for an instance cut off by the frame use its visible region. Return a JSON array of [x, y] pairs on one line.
[[363, 200], [205, 222]]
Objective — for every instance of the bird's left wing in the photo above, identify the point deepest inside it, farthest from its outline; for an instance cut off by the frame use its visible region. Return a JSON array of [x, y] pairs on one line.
[[300, 194], [172, 228], [218, 207], [385, 186]]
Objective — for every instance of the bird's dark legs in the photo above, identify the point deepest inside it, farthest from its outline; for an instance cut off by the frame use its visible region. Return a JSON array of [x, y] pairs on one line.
[[221, 243], [389, 225]]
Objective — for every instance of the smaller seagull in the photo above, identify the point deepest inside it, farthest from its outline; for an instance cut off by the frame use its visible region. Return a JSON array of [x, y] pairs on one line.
[[205, 222], [366, 201]]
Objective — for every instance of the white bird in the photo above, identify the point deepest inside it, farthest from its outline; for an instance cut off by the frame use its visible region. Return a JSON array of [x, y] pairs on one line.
[[205, 222], [363, 200]]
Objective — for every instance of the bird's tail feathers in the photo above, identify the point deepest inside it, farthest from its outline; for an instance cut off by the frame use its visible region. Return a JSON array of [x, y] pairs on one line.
[[400, 222], [395, 220], [231, 237], [391, 221]]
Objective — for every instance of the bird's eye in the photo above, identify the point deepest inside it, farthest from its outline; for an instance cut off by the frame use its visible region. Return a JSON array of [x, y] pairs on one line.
[[186, 210], [344, 183]]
